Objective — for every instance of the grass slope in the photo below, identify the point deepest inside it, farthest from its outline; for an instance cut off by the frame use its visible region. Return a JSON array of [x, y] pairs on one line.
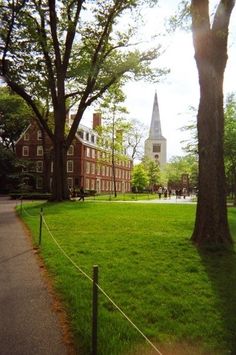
[[148, 267]]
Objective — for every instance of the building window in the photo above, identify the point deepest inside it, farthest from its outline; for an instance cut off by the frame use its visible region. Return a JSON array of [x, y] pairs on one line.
[[81, 134], [25, 151], [87, 167], [39, 166], [92, 184], [87, 184], [39, 182], [88, 152], [70, 150], [70, 182], [70, 166], [39, 135], [98, 169], [92, 168], [92, 138], [26, 136], [39, 150], [93, 153], [156, 148], [87, 136]]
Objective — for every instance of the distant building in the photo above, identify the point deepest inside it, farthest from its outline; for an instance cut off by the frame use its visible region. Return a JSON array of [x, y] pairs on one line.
[[155, 144], [88, 164]]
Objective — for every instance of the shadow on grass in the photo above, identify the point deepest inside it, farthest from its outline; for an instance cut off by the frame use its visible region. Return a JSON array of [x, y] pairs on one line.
[[221, 269]]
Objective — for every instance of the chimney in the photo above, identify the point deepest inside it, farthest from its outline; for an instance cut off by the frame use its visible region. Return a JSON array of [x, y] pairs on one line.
[[97, 120]]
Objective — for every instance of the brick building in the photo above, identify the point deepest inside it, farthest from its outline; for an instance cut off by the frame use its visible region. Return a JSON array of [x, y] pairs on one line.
[[88, 164]]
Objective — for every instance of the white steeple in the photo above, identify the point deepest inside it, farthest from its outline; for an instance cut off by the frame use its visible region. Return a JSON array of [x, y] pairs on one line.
[[155, 128], [155, 145]]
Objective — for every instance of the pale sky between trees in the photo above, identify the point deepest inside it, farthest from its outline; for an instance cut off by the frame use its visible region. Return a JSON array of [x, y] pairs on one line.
[[178, 90]]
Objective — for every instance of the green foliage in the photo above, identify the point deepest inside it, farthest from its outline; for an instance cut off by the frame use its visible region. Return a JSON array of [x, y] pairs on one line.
[[14, 117], [153, 172], [9, 169], [139, 177], [59, 54], [79, 42], [148, 267], [179, 165], [230, 142], [135, 139]]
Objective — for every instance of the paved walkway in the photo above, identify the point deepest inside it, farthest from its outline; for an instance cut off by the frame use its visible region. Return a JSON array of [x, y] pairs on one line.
[[28, 324]]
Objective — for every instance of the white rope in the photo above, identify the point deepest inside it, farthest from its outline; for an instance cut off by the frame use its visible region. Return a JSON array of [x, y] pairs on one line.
[[128, 319], [65, 254], [27, 213], [104, 293]]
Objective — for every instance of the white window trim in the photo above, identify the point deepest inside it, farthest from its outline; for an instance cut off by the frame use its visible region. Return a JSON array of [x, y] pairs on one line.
[[39, 150], [39, 135], [39, 166], [70, 150], [25, 151], [70, 169]]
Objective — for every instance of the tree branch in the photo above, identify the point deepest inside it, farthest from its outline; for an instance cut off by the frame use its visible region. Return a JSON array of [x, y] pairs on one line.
[[71, 32], [20, 91]]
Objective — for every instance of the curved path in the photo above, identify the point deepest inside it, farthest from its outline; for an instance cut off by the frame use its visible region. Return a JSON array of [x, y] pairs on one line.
[[28, 323]]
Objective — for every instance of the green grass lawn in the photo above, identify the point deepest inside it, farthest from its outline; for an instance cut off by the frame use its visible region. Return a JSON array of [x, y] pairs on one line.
[[124, 197], [148, 266]]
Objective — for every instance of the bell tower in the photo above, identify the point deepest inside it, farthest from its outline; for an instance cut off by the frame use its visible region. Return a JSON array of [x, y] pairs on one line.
[[155, 144]]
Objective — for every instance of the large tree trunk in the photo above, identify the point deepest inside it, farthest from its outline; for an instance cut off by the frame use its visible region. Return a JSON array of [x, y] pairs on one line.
[[60, 189], [211, 225], [210, 44]]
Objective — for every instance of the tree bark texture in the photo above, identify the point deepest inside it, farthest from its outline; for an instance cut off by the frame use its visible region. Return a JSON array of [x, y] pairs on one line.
[[210, 44]]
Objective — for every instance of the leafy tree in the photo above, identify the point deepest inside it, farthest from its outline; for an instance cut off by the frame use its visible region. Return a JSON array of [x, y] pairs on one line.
[[139, 177], [11, 169], [179, 165], [153, 172], [14, 117], [210, 45], [113, 130], [230, 143], [135, 139], [65, 53]]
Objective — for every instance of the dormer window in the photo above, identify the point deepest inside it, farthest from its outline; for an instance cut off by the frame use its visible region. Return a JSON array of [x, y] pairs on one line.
[[81, 134], [70, 150], [26, 136], [39, 135], [87, 136]]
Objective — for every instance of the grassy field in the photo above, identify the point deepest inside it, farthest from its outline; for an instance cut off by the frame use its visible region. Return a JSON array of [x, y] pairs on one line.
[[183, 300]]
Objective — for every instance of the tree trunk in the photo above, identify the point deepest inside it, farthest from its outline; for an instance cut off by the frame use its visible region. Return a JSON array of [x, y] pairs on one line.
[[60, 190], [211, 224], [210, 44]]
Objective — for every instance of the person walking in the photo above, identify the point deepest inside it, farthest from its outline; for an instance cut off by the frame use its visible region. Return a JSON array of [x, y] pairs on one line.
[[81, 191]]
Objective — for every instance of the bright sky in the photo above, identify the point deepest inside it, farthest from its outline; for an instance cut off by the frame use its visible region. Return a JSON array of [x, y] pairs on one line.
[[179, 89]]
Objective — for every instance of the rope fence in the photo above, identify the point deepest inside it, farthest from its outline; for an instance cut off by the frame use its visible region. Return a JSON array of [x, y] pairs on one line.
[[43, 221]]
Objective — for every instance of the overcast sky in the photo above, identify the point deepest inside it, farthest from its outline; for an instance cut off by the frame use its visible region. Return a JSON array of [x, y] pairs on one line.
[[179, 90]]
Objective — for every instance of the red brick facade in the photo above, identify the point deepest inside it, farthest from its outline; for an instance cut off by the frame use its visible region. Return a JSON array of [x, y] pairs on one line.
[[87, 164]]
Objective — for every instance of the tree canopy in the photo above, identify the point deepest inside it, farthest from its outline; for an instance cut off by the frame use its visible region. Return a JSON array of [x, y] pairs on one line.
[[58, 54], [15, 115]]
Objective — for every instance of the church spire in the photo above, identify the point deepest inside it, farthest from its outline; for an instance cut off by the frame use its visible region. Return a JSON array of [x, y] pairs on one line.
[[155, 128]]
